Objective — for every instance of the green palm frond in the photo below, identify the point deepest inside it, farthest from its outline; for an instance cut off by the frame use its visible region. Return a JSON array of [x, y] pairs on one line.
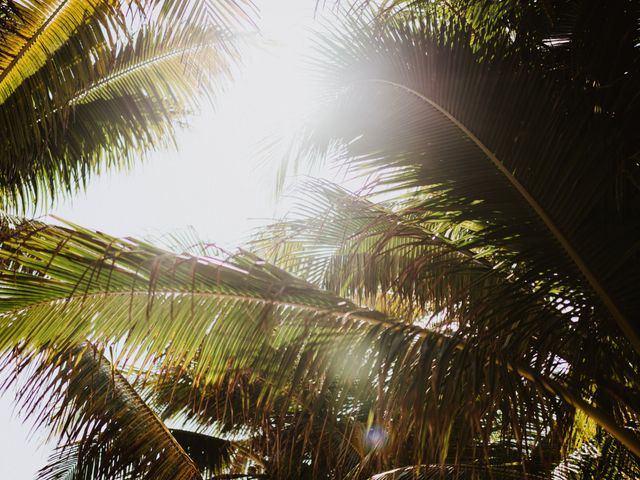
[[514, 165], [243, 292], [396, 249], [45, 26], [176, 59], [492, 142], [104, 427], [410, 260], [102, 93], [103, 113], [61, 286]]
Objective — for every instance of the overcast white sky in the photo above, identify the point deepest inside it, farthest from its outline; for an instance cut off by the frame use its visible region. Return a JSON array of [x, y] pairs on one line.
[[215, 182]]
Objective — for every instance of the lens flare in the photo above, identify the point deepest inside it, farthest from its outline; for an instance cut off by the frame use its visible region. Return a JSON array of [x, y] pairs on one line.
[[375, 438]]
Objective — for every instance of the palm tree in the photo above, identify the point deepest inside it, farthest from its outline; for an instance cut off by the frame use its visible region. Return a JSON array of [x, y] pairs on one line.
[[475, 322]]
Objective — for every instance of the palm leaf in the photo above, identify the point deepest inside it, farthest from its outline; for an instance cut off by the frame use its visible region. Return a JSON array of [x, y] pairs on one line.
[[102, 113], [106, 429], [424, 113], [61, 286], [409, 259], [45, 26], [91, 84]]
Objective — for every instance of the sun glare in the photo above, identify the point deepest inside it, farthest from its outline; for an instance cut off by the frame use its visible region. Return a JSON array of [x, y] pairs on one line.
[[218, 180]]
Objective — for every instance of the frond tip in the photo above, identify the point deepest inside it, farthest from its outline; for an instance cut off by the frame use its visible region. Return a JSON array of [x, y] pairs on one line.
[[105, 428]]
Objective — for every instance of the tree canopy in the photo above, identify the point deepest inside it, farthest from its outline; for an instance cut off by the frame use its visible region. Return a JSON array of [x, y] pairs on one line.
[[472, 315]]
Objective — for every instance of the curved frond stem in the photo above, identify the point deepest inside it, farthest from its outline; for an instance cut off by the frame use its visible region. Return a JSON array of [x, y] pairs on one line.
[[132, 70], [623, 435], [354, 315], [620, 319], [130, 393]]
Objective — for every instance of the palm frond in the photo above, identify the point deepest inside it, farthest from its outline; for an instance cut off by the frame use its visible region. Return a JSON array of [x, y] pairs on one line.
[[44, 27], [411, 260], [210, 454], [397, 249], [90, 84], [41, 27], [426, 113], [102, 113], [104, 427], [61, 286]]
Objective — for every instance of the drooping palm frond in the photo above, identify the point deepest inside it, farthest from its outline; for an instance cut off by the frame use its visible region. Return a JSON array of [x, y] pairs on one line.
[[526, 158], [494, 142], [209, 454], [467, 135], [399, 250], [61, 286], [87, 257], [411, 260], [107, 89], [104, 428], [106, 113], [43, 27]]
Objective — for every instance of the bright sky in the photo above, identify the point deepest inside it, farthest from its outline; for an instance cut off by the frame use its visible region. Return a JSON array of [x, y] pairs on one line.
[[215, 182]]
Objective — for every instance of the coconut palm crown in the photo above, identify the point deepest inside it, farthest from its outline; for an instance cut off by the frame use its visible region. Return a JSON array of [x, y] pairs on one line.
[[474, 315]]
